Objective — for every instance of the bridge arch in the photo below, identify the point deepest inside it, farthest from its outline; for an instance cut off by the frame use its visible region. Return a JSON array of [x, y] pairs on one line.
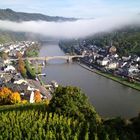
[[67, 58]]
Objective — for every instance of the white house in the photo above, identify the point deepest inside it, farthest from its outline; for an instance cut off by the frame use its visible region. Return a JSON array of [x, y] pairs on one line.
[[1, 45], [54, 84], [32, 97], [133, 69], [7, 61], [9, 68], [126, 58], [1, 49], [113, 65], [30, 89], [7, 50], [20, 81], [11, 47], [116, 55], [103, 62], [137, 59]]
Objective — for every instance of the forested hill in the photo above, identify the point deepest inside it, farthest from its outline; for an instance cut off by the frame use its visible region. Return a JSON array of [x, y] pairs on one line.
[[8, 14], [126, 40], [7, 36]]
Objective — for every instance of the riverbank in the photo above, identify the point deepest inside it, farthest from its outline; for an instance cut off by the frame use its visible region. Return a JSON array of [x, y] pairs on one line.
[[120, 80]]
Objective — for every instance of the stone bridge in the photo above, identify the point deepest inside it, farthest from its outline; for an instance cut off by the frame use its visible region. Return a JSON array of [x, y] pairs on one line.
[[47, 58]]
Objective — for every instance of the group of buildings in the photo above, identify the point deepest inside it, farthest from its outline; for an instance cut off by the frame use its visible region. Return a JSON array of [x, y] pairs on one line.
[[108, 60], [12, 79]]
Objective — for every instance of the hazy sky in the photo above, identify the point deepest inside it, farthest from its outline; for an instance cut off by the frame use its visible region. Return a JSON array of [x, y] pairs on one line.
[[74, 8]]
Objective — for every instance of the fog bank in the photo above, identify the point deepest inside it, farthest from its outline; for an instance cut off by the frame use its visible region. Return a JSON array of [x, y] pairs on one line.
[[73, 29]]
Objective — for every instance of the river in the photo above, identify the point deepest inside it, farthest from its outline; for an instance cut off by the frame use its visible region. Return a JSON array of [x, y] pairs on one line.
[[110, 98]]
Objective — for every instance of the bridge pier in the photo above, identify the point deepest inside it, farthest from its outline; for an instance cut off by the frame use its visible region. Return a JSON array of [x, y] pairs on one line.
[[69, 60], [45, 61]]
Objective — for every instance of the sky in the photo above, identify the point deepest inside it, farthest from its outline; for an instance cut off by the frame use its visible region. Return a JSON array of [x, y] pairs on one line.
[[74, 8]]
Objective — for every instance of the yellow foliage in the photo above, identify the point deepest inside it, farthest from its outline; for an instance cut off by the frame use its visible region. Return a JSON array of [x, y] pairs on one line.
[[4, 95], [46, 101], [9, 97], [5, 91], [15, 98], [24, 101], [37, 96], [21, 67]]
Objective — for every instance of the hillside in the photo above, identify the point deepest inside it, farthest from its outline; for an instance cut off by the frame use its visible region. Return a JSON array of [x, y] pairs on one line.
[[126, 40], [68, 116], [7, 36], [8, 14]]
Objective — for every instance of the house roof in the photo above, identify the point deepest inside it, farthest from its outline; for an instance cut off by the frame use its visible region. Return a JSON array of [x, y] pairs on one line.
[[41, 88]]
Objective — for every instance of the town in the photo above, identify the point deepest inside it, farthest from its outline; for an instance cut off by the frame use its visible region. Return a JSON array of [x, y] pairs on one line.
[[23, 77], [106, 61]]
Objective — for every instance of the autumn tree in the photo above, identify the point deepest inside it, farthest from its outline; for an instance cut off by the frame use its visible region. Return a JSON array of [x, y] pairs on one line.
[[9, 97], [21, 62], [15, 98], [37, 96], [21, 67], [4, 95], [22, 70]]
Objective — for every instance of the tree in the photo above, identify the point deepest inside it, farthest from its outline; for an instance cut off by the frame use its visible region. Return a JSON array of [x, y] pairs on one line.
[[9, 97], [22, 70], [4, 95], [15, 98], [31, 72], [72, 102], [21, 67], [21, 62], [37, 96]]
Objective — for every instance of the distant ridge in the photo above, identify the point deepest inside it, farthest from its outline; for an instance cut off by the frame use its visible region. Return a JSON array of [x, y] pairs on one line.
[[8, 14]]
